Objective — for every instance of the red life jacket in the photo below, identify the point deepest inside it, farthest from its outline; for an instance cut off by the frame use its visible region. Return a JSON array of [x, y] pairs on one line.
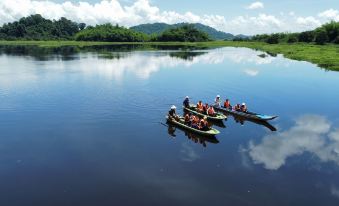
[[227, 104]]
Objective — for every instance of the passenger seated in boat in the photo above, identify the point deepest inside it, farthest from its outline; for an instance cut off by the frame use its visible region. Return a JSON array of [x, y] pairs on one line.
[[200, 107], [204, 124], [227, 104], [195, 122], [187, 119], [237, 108], [217, 101], [211, 111], [243, 107], [172, 114], [205, 108], [186, 102]]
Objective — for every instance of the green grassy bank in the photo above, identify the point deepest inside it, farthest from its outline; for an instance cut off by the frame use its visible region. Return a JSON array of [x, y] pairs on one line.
[[325, 56]]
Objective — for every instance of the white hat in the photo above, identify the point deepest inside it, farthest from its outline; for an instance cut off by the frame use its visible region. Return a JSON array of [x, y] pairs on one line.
[[243, 104], [186, 97], [218, 96], [173, 107]]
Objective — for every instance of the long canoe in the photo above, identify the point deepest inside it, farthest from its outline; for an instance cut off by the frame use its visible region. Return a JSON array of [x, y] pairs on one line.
[[249, 115], [181, 123], [193, 109]]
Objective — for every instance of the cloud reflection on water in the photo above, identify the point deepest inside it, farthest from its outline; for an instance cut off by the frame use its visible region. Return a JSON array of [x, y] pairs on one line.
[[118, 65], [311, 133], [144, 64]]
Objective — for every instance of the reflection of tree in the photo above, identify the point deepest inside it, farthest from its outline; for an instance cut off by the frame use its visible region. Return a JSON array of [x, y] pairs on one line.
[[41, 53], [188, 55], [103, 51]]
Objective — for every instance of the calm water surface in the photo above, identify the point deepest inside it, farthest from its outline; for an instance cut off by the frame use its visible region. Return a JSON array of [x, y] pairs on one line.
[[86, 128]]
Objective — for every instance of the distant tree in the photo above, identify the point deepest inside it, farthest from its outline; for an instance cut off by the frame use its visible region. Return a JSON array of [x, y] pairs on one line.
[[336, 41], [332, 30], [307, 36], [321, 37], [35, 27], [292, 39], [186, 33], [273, 39], [108, 32], [82, 26]]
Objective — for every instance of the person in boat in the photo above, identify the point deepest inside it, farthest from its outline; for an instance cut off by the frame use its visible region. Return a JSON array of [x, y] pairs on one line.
[[204, 124], [243, 107], [195, 122], [188, 119], [172, 114], [217, 102], [186, 102], [205, 108], [200, 107], [227, 104], [211, 112], [237, 108]]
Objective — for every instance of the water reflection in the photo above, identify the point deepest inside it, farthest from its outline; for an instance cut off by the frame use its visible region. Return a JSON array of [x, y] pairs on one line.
[[198, 139], [335, 191], [242, 120], [117, 61], [311, 133], [67, 53]]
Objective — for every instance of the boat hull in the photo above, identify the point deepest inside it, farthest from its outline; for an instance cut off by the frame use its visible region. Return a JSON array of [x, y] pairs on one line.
[[211, 132], [254, 116], [219, 117]]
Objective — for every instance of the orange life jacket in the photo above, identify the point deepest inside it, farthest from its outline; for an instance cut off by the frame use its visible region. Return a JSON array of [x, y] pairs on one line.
[[210, 111], [227, 104]]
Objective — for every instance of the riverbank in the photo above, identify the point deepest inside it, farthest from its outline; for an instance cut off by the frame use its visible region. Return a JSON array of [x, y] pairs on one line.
[[325, 56]]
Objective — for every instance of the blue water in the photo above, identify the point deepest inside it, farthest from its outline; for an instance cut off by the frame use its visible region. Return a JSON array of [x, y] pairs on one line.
[[87, 127]]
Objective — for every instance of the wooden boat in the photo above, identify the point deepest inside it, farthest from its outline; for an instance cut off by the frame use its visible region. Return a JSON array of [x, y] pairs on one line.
[[249, 115], [181, 123], [193, 109]]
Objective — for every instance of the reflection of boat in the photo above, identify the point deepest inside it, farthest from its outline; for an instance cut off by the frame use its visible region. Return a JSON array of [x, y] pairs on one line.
[[192, 109], [211, 132], [242, 120], [248, 115], [194, 137]]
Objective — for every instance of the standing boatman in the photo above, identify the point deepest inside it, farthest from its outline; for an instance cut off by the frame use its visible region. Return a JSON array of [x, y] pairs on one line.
[[186, 102], [217, 102]]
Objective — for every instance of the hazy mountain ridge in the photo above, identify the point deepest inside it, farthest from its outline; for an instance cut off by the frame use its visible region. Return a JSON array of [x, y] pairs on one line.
[[157, 28]]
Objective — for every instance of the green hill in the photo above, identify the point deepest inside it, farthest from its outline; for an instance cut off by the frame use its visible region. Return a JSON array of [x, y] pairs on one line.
[[158, 28]]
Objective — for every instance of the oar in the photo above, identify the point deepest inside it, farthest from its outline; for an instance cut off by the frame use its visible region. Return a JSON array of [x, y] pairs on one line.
[[163, 124]]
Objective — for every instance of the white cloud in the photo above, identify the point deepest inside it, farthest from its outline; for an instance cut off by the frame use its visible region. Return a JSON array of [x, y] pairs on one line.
[[142, 11], [330, 14], [256, 5], [311, 133], [308, 22]]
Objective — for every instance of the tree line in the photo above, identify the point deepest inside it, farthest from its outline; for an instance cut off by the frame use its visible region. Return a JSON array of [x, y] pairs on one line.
[[35, 27], [327, 33]]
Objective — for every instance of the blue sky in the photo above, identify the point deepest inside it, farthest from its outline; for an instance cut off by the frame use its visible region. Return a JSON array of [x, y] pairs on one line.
[[236, 16]]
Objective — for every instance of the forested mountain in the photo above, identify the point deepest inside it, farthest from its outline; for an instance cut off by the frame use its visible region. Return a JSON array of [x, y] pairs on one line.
[[158, 28], [35, 27]]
